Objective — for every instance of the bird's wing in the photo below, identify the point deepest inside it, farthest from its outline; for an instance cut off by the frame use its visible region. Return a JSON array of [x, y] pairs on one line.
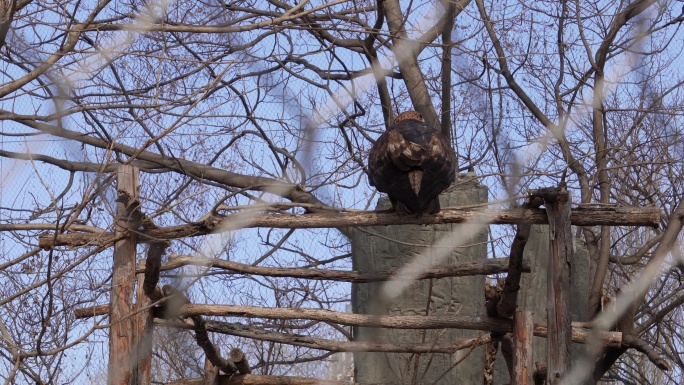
[[390, 159], [439, 168], [403, 153]]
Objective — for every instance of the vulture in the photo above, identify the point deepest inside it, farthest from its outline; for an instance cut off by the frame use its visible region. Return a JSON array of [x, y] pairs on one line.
[[413, 163]]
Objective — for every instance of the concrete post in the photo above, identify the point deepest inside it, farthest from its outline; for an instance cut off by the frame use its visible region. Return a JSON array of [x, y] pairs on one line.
[[383, 247]]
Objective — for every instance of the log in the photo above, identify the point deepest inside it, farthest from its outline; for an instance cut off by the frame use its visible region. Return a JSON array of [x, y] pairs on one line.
[[524, 353], [461, 269], [240, 360], [251, 332], [349, 319], [580, 332], [616, 216], [254, 379]]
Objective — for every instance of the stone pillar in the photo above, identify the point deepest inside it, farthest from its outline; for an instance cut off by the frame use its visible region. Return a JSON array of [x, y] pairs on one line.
[[383, 247], [532, 295]]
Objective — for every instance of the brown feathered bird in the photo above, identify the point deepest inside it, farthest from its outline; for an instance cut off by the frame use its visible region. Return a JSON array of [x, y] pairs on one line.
[[413, 163]]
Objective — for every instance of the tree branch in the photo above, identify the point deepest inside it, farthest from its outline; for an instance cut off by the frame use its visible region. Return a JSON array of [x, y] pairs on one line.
[[195, 170], [407, 58]]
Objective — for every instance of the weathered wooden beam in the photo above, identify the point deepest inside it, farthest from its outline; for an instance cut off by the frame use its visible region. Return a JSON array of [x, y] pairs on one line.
[[142, 343], [460, 269], [255, 379], [122, 330], [255, 333], [617, 216], [580, 332], [523, 358], [559, 340]]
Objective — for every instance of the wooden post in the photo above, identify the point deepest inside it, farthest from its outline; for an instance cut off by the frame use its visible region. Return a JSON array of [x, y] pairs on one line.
[[121, 331], [143, 336], [559, 340], [523, 331]]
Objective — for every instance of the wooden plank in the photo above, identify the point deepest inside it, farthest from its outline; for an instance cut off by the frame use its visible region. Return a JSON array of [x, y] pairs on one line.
[[121, 331], [523, 331], [616, 216], [559, 323]]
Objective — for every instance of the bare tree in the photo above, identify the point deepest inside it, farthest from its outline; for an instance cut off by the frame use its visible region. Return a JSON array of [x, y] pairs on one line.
[[271, 106]]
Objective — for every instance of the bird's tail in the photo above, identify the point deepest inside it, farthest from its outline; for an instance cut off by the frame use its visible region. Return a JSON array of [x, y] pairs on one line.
[[431, 207], [416, 179]]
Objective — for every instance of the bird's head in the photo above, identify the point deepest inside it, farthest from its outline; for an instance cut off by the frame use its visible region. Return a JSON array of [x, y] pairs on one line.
[[409, 115]]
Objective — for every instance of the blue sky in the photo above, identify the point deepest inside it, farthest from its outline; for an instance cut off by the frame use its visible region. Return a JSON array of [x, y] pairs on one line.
[[285, 106]]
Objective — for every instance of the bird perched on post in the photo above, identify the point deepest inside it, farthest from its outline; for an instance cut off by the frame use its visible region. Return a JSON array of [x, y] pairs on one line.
[[413, 163]]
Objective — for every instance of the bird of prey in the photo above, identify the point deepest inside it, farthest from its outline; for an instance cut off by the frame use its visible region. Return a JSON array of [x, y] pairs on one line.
[[413, 163]]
